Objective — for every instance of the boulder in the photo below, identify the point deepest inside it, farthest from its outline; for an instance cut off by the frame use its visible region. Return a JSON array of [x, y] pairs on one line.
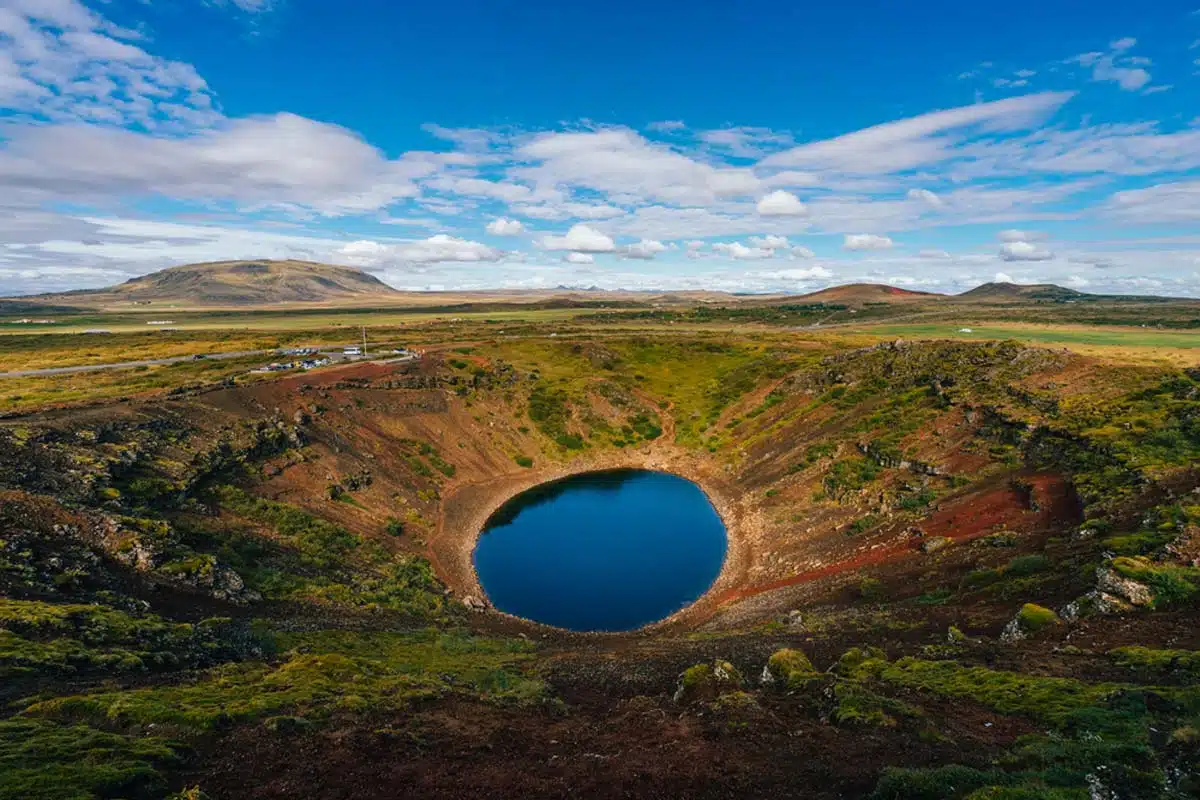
[[1109, 582]]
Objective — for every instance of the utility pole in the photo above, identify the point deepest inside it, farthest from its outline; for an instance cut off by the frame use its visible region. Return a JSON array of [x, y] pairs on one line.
[[364, 335]]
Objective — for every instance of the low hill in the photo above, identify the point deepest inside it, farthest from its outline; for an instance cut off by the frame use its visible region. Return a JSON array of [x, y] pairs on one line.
[[237, 283], [1000, 292], [861, 293]]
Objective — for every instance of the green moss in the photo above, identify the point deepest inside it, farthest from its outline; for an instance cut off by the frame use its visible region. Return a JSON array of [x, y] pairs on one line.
[[708, 681], [861, 662], [1151, 664], [859, 706], [43, 760], [323, 673], [790, 668], [1172, 584], [38, 638], [1046, 698], [1033, 618]]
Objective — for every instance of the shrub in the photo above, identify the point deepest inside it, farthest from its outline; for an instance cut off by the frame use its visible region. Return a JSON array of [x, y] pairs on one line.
[[1022, 566], [523, 461], [394, 527]]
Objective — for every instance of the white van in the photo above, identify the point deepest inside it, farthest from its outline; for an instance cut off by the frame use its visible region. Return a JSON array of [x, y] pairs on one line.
[[352, 351]]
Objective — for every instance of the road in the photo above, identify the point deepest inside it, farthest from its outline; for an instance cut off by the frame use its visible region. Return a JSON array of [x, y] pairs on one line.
[[150, 362]]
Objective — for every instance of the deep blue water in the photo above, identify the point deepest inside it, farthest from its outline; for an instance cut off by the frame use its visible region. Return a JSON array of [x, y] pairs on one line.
[[601, 551]]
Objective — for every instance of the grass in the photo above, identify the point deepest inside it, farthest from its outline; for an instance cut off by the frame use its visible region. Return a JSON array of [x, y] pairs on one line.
[[39, 638], [44, 760], [322, 673]]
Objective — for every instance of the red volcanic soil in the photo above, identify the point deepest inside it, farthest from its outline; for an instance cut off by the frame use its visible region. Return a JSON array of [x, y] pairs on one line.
[[1048, 504]]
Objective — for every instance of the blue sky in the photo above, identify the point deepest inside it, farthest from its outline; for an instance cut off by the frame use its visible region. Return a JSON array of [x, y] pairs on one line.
[[756, 146]]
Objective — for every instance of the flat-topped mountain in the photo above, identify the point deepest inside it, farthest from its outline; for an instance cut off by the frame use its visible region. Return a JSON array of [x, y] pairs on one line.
[[852, 293], [1001, 292]]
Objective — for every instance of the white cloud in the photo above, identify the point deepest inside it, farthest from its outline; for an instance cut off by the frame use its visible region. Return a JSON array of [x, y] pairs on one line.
[[923, 140], [505, 227], [579, 258], [620, 161], [866, 241], [769, 241], [800, 251], [1160, 203], [780, 203], [1003, 277], [746, 142], [60, 62], [742, 252], [793, 178], [1116, 67], [646, 249], [1024, 251], [568, 210], [927, 197], [441, 247], [279, 161], [582, 238], [809, 274], [1015, 235], [933, 253]]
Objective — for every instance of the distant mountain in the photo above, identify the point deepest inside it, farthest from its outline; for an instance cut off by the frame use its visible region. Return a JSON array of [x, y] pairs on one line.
[[241, 283], [1000, 292], [863, 293]]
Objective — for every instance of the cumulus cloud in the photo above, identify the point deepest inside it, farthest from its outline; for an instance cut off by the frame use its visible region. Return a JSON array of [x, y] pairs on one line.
[[505, 227], [809, 274], [1116, 67], [579, 258], [933, 253], [282, 160], [568, 210], [866, 241], [582, 238], [60, 61], [742, 252], [1024, 251], [770, 241], [799, 251], [780, 203], [441, 247], [1003, 277], [646, 249]]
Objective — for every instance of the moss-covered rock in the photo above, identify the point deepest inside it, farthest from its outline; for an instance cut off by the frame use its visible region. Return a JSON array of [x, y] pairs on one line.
[[1031, 619], [788, 669], [707, 681]]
